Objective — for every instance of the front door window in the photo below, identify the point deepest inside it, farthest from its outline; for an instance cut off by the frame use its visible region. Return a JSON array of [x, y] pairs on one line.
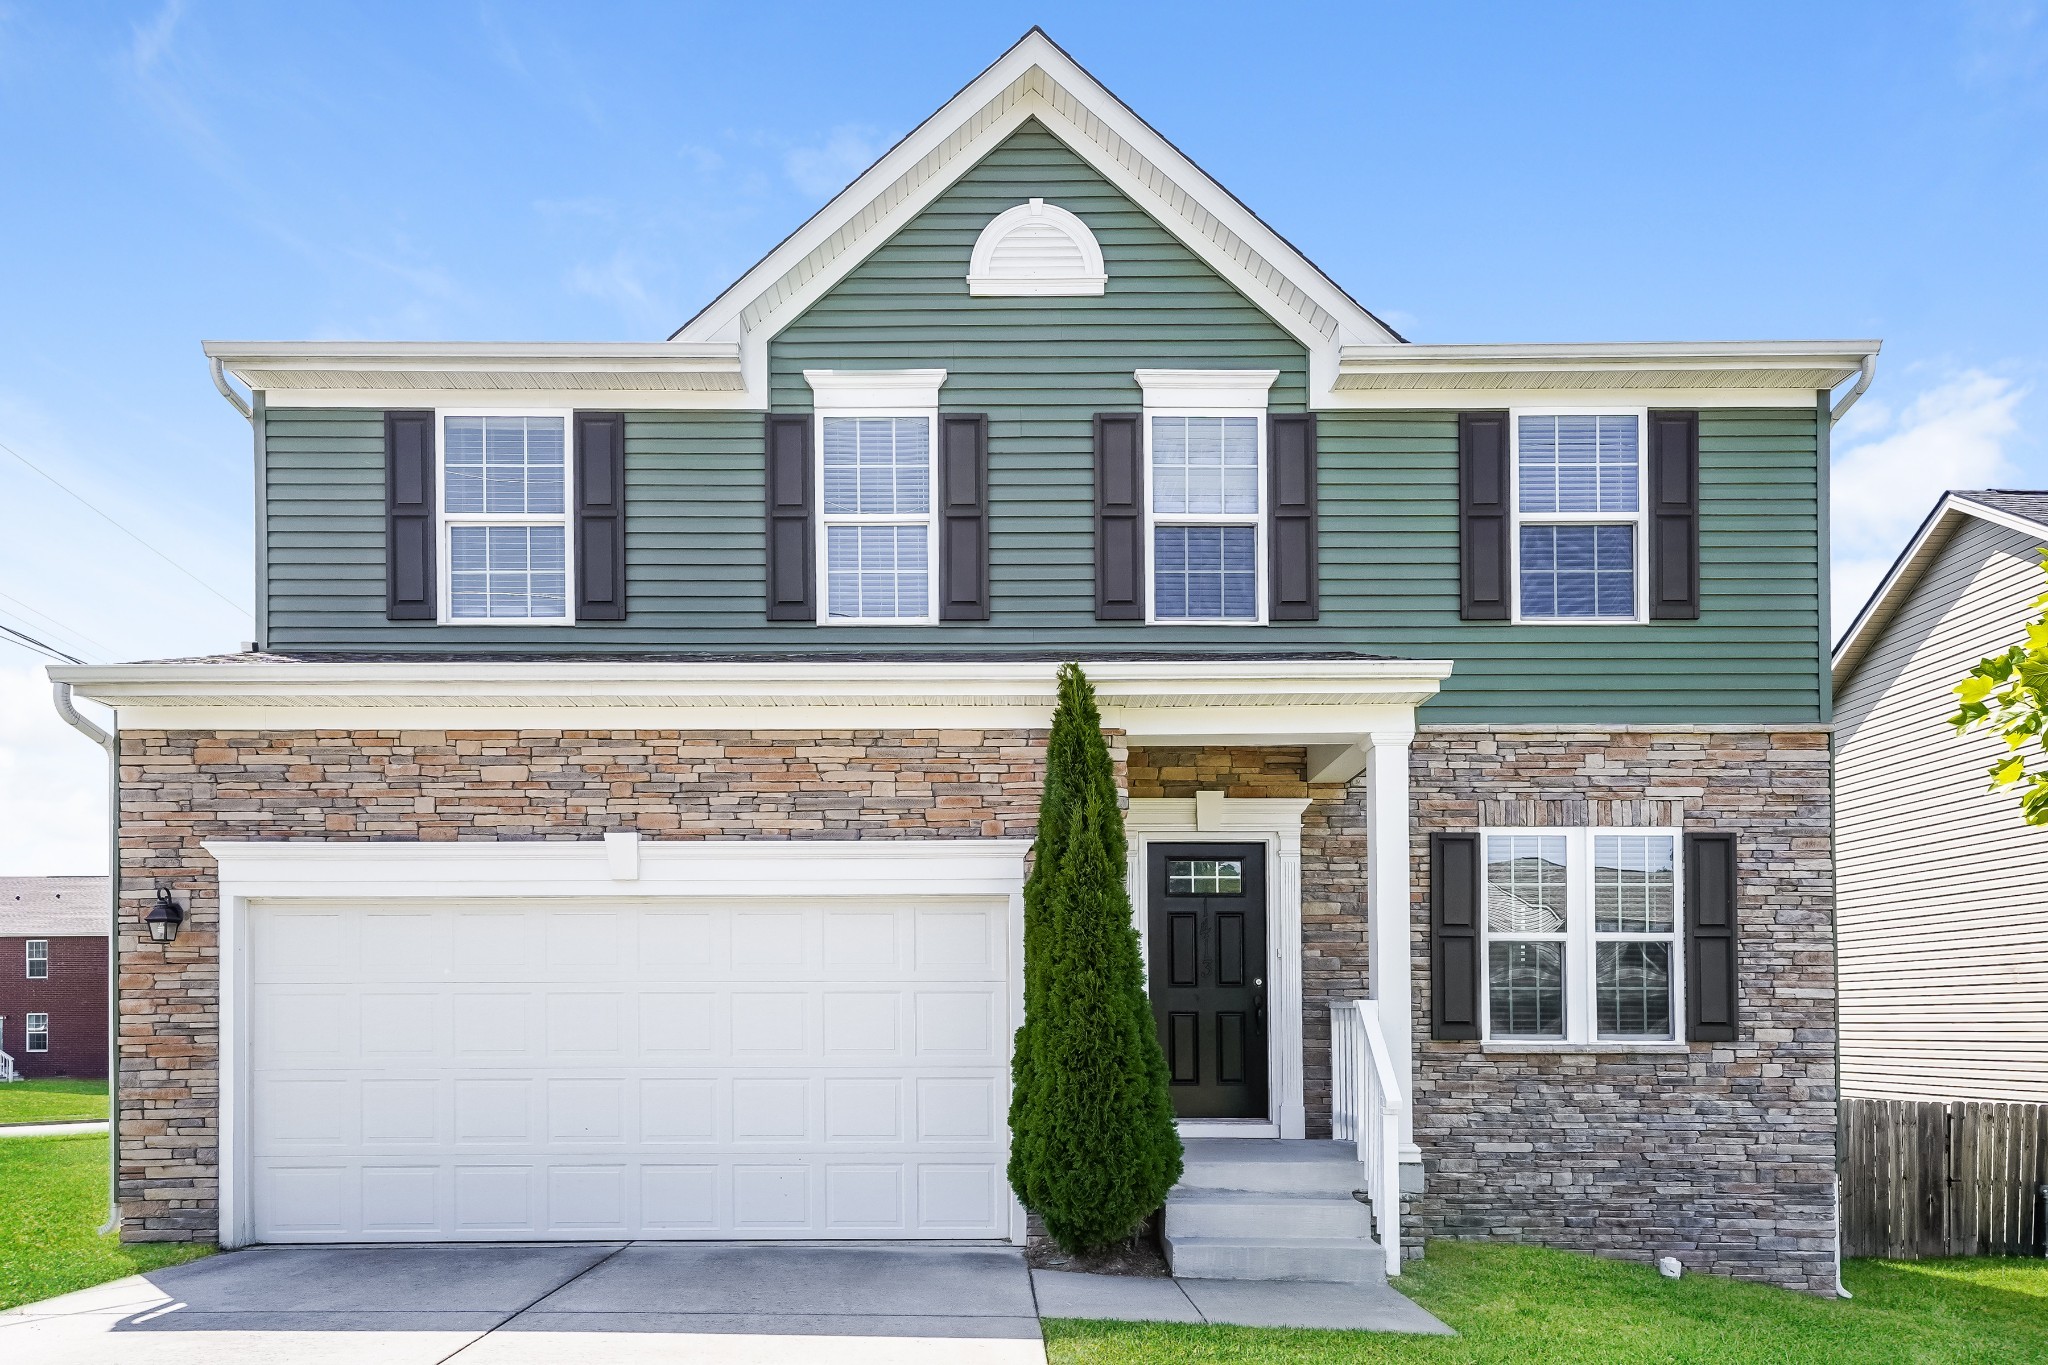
[[1207, 940]]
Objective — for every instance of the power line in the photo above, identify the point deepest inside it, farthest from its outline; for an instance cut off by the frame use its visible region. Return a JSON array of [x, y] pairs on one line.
[[11, 621], [32, 642], [124, 530], [61, 628]]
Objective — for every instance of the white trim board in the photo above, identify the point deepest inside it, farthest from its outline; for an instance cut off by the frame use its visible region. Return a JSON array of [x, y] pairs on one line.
[[1274, 822], [581, 870]]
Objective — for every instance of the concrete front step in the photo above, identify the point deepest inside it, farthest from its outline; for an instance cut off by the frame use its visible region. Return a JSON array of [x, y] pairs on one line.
[[1271, 1209], [1230, 1213], [1339, 1260], [1271, 1166]]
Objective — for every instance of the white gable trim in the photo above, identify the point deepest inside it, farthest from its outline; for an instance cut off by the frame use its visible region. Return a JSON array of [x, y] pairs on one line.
[[1905, 573], [1035, 79]]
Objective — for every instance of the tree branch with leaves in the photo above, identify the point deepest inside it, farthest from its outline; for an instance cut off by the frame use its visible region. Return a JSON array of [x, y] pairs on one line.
[[2009, 693]]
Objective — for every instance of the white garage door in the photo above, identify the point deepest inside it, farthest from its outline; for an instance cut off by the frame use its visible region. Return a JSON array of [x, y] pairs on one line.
[[606, 1070]]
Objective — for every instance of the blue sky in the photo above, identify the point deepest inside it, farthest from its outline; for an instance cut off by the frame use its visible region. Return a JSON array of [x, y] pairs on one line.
[[499, 171]]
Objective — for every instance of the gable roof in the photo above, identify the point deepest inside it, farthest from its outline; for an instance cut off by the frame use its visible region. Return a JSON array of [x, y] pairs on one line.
[[2019, 509], [719, 358], [53, 907], [1037, 79]]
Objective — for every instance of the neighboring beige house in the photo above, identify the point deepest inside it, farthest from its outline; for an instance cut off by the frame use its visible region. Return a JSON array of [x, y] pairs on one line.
[[1942, 890]]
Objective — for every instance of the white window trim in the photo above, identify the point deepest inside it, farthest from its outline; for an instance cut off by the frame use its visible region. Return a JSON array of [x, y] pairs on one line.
[[444, 519], [1206, 393], [875, 393], [1640, 520], [1090, 282], [33, 957], [29, 1032], [1579, 939]]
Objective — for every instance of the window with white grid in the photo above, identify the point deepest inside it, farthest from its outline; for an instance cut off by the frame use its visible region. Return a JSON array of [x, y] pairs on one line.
[[36, 1032], [505, 517], [876, 514], [1205, 499], [1581, 934], [38, 959], [1579, 527]]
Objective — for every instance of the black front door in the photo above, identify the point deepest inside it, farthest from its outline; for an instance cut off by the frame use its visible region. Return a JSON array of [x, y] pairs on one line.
[[1207, 941]]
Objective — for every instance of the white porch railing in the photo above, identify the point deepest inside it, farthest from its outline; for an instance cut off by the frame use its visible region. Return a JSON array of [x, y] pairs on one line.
[[7, 1071], [1365, 1108]]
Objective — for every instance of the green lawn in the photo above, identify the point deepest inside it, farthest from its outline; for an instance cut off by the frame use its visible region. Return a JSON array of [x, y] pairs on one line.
[[53, 1194], [52, 1101], [1519, 1304]]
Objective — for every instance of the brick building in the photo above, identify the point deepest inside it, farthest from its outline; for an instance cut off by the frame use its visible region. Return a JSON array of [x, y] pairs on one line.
[[53, 975]]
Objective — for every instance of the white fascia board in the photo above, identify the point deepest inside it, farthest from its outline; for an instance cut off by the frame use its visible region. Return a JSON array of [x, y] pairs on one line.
[[1033, 79], [1717, 373], [1905, 573], [416, 373], [1310, 697]]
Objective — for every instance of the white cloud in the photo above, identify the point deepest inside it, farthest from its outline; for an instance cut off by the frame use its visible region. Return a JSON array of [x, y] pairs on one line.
[[1892, 466], [53, 781], [848, 150]]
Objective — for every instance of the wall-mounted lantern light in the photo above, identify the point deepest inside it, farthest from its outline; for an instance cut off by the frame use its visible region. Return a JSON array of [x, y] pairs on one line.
[[165, 917]]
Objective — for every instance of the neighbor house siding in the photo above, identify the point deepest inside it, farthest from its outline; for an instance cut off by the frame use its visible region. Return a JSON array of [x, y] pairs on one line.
[[1940, 885], [1041, 369]]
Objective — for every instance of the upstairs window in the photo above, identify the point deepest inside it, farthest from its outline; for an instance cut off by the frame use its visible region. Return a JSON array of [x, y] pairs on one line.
[[877, 518], [1581, 935], [1205, 494], [1205, 518], [505, 521], [1579, 526], [38, 959], [37, 1032]]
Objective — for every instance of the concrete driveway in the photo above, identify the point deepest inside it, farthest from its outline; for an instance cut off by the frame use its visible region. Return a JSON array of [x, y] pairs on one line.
[[619, 1304]]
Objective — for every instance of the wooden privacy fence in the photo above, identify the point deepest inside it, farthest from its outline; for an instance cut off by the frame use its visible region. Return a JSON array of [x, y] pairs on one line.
[[1941, 1179]]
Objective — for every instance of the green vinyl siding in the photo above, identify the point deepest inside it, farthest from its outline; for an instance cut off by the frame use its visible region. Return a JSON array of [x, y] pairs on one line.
[[1041, 369]]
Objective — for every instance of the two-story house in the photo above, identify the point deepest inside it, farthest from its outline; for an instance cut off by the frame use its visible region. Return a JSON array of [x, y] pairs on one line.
[[53, 977], [617, 829]]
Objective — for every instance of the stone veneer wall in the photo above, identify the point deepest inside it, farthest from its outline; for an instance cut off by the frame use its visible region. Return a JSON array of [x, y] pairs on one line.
[[1723, 1154], [1720, 1154], [182, 787]]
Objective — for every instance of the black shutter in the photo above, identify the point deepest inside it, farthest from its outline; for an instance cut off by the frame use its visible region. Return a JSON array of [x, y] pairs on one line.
[[963, 519], [1712, 987], [1483, 516], [409, 516], [1674, 516], [600, 516], [1291, 460], [1454, 936], [1119, 517], [790, 550]]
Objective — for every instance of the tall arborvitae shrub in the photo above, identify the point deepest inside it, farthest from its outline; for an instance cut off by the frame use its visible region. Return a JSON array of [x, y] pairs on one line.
[[1093, 1149]]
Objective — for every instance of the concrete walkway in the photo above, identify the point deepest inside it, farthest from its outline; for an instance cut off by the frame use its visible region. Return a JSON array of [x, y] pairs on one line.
[[1374, 1307], [627, 1303], [8, 1130]]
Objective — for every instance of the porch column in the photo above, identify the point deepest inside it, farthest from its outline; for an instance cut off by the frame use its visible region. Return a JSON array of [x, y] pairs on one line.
[[1389, 907]]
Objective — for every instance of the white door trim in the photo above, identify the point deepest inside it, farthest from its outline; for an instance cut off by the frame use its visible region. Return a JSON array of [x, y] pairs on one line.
[[587, 869], [1276, 823]]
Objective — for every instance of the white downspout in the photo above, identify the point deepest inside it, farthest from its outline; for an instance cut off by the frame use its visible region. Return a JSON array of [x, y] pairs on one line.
[[1864, 375], [61, 693]]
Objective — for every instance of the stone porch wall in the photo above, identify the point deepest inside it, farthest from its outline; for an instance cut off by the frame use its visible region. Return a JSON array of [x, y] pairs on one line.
[[181, 788]]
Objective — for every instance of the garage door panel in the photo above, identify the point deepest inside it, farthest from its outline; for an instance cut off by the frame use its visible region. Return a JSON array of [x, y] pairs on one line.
[[801, 1070]]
